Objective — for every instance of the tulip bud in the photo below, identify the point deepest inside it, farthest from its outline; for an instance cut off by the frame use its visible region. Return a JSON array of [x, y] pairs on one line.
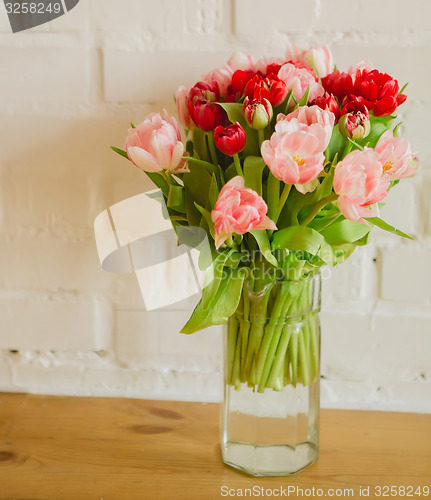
[[354, 121], [258, 114], [230, 140]]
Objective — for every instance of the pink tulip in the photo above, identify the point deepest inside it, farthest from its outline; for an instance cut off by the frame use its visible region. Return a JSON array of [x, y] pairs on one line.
[[238, 210], [263, 64], [155, 144], [182, 108], [298, 80], [241, 61], [312, 118], [360, 66], [319, 59], [316, 58], [396, 156], [359, 183], [223, 77], [294, 153], [291, 158]]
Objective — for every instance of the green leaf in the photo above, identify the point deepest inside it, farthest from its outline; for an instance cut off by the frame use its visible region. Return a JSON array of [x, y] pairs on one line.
[[230, 172], [253, 170], [176, 198], [345, 231], [252, 146], [200, 144], [213, 192], [234, 112], [305, 239], [119, 151], [304, 99], [378, 126], [376, 221], [223, 305], [272, 196], [207, 217], [404, 88], [196, 184], [209, 167], [336, 145], [264, 246], [213, 277], [159, 181]]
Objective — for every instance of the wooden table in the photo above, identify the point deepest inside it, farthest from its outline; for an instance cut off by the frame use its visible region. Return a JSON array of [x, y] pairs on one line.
[[116, 449]]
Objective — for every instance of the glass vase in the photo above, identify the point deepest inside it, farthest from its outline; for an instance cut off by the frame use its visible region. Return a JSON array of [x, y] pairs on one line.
[[270, 415]]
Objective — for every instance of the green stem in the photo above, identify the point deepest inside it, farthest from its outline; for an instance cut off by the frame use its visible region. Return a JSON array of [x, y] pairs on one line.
[[317, 207], [261, 137], [237, 165], [245, 326], [272, 333], [273, 197], [283, 198], [232, 336], [280, 356], [211, 146], [167, 176], [303, 357], [237, 364], [314, 343]]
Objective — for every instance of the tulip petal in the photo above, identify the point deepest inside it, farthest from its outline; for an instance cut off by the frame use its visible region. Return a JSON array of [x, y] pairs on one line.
[[267, 223], [142, 159]]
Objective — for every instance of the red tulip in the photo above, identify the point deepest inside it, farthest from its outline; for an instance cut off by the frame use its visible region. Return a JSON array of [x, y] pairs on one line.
[[338, 84], [239, 81], [378, 91], [328, 101], [271, 88], [230, 140], [204, 112]]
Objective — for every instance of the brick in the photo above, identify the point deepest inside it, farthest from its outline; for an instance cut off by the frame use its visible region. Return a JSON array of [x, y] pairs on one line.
[[202, 18], [43, 261], [346, 394], [400, 208], [4, 20], [154, 384], [426, 204], [74, 20], [352, 284], [413, 130], [404, 275], [145, 77], [250, 18], [57, 321], [40, 74], [59, 380], [5, 379], [366, 16], [152, 339], [407, 396], [374, 350], [118, 17]]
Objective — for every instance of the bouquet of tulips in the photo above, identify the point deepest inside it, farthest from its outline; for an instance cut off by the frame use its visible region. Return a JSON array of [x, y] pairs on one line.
[[283, 163]]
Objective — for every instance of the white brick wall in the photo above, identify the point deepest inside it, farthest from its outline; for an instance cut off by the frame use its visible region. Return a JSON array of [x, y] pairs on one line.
[[69, 89]]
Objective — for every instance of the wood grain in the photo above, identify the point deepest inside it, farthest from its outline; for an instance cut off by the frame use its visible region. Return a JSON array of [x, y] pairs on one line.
[[114, 449]]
